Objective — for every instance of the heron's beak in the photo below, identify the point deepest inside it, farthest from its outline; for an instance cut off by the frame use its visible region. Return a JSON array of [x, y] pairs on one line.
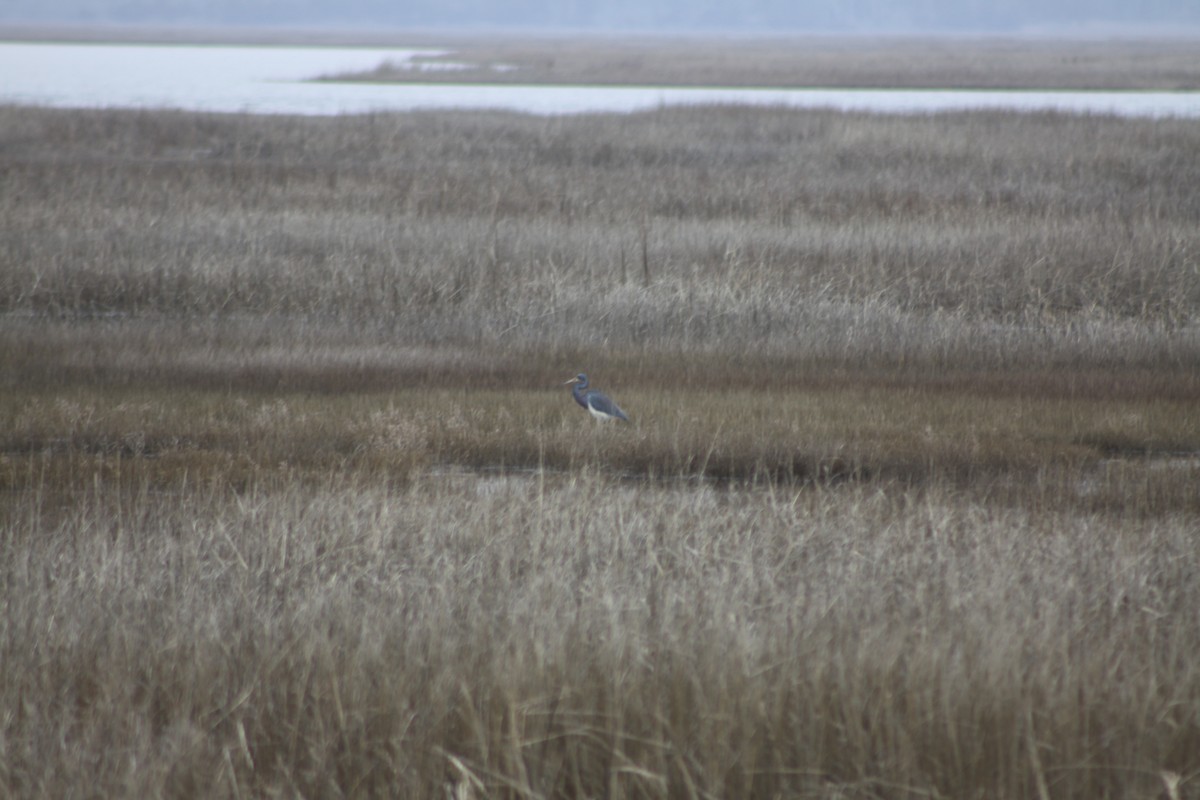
[[573, 380]]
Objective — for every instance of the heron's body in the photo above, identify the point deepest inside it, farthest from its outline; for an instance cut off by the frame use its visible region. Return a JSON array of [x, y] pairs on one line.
[[597, 403]]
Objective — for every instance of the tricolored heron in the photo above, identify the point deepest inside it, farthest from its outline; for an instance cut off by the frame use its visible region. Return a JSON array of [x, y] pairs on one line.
[[598, 404]]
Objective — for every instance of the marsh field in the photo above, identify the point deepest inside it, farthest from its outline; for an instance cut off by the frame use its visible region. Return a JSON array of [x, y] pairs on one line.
[[293, 502], [814, 61]]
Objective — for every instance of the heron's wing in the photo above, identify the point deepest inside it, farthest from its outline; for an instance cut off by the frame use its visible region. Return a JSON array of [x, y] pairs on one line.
[[604, 404]]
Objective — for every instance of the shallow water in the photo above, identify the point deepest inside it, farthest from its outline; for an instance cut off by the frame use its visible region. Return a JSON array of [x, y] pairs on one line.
[[278, 80]]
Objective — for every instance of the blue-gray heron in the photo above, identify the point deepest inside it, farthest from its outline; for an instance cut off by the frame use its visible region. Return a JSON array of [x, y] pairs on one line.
[[598, 404]]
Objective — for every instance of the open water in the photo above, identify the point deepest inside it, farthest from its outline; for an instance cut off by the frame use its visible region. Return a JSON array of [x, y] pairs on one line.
[[279, 80]]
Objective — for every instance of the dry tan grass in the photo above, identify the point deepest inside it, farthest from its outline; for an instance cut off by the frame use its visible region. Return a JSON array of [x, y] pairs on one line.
[[572, 636], [192, 394], [987, 237], [292, 500]]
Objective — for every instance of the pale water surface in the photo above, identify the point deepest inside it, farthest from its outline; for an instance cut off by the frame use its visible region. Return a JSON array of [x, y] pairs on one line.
[[278, 80]]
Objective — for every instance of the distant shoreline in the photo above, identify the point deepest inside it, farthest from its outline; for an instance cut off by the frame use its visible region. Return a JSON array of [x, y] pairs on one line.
[[791, 61]]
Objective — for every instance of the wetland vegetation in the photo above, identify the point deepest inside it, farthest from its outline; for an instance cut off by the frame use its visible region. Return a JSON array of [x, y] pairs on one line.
[[293, 502], [895, 62]]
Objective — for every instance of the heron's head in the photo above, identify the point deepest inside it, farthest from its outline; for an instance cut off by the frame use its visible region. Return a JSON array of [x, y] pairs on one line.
[[580, 378]]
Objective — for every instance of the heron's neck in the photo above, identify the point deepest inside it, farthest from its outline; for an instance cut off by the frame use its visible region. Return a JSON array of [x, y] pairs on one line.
[[577, 391]]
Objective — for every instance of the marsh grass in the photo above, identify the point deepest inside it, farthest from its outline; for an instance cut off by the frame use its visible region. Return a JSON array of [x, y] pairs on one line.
[[686, 228], [569, 636], [293, 501], [827, 61], [864, 427]]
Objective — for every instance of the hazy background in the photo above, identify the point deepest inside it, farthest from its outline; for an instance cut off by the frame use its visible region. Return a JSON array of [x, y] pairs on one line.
[[1051, 17]]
